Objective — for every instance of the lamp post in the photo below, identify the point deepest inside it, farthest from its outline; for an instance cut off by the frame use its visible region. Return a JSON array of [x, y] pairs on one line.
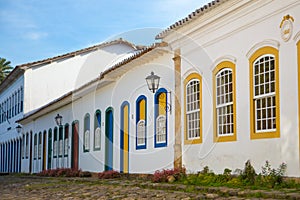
[[58, 120], [19, 128], [152, 82]]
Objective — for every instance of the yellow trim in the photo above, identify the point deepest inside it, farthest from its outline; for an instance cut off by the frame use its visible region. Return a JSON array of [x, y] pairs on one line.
[[126, 147], [220, 66], [272, 134], [142, 109], [298, 55], [187, 79], [162, 102]]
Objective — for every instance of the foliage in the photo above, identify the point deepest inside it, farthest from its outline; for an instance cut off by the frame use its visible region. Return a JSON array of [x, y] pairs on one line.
[[268, 178], [248, 175], [272, 177], [5, 68], [169, 175], [62, 172], [109, 174]]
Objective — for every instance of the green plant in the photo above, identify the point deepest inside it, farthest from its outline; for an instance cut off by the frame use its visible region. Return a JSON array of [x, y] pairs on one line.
[[248, 175], [167, 175], [273, 177]]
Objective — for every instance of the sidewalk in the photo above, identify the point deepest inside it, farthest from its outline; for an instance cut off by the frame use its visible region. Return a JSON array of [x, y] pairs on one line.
[[34, 187]]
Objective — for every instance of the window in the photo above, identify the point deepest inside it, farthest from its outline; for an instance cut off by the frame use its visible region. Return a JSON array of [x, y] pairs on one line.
[[97, 131], [19, 101], [161, 108], [27, 145], [141, 122], [66, 141], [264, 94], [86, 137], [224, 102], [55, 143], [16, 103], [22, 95], [22, 147], [60, 142], [13, 106], [193, 110], [40, 146], [35, 147]]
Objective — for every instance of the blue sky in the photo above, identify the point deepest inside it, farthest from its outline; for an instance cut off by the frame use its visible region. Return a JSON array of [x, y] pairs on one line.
[[32, 30]]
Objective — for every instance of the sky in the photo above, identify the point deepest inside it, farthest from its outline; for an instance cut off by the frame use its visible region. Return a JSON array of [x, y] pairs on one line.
[[32, 30]]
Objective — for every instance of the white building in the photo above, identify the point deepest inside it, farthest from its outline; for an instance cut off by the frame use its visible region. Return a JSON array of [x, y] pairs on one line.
[[229, 92]]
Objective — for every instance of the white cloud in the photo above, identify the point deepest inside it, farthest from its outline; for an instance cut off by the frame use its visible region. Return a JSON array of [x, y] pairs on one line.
[[35, 35]]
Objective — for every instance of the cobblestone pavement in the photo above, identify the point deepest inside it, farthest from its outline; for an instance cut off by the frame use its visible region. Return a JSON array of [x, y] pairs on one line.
[[33, 187]]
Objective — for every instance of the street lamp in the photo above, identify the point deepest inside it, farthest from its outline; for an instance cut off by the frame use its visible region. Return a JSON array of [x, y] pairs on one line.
[[19, 128], [58, 120], [153, 82]]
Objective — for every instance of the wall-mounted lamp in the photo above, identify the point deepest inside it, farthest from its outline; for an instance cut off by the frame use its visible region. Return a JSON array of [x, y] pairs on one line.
[[58, 120], [152, 82], [19, 128]]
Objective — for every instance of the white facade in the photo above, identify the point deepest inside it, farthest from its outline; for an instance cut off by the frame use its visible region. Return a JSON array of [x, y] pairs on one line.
[[224, 122]]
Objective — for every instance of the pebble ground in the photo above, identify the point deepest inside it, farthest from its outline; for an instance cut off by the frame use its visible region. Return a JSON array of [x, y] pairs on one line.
[[34, 187]]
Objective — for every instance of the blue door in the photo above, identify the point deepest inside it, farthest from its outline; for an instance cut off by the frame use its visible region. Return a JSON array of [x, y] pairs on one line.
[[109, 123]]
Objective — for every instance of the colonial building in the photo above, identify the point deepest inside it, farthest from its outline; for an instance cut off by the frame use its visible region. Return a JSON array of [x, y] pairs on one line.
[[228, 92]]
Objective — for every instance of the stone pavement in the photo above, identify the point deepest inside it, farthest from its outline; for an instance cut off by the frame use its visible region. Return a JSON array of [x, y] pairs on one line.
[[34, 187]]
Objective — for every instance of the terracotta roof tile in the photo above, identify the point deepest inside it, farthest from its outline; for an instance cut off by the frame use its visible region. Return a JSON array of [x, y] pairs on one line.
[[190, 18]]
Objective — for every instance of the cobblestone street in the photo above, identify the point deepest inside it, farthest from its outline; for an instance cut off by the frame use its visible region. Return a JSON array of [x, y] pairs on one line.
[[33, 187]]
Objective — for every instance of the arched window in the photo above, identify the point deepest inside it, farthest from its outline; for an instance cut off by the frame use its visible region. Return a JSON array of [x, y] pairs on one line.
[[224, 102], [35, 147], [60, 141], [27, 146], [40, 145], [97, 131], [55, 143], [141, 122], [86, 136], [161, 108], [264, 94], [66, 141], [193, 110]]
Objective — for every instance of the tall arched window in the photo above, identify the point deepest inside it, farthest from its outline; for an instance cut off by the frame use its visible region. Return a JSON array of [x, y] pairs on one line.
[[60, 143], [224, 102], [55, 143], [141, 122], [193, 109], [66, 140], [97, 131], [35, 147], [27, 146], [161, 108], [86, 132], [264, 94], [40, 145]]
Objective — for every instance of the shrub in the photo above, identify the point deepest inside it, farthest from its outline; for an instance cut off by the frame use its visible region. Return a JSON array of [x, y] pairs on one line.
[[168, 175], [109, 174], [272, 177], [248, 174], [60, 172], [85, 174]]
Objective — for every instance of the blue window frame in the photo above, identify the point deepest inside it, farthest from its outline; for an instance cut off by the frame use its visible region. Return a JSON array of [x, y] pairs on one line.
[[97, 131], [161, 118], [86, 133], [141, 122]]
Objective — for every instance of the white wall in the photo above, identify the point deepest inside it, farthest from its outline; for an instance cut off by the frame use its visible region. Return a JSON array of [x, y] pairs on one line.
[[232, 36], [128, 87], [47, 82]]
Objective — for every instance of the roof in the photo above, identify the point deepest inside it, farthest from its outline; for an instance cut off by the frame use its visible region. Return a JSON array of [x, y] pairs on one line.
[[81, 51], [19, 70], [67, 98], [191, 17], [13, 75]]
